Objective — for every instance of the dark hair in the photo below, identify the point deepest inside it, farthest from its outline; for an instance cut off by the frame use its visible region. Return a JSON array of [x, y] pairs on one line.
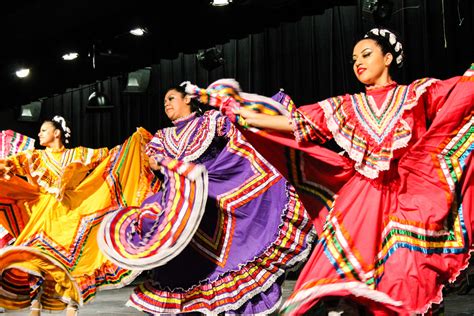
[[196, 106], [65, 132], [389, 42]]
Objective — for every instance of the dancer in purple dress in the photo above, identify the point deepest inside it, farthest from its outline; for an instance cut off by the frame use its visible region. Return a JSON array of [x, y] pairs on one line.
[[230, 255]]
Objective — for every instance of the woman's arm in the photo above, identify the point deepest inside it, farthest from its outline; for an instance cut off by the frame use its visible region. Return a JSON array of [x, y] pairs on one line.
[[265, 121], [153, 164]]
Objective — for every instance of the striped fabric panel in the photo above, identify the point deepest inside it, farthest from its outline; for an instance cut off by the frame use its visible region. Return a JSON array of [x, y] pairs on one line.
[[12, 143], [217, 248], [307, 132], [11, 213], [400, 233], [231, 290], [181, 214]]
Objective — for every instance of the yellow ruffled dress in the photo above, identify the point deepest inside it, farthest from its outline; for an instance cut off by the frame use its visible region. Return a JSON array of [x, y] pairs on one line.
[[68, 194]]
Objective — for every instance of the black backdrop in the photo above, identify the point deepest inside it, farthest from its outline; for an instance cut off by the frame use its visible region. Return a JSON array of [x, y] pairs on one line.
[[309, 58]]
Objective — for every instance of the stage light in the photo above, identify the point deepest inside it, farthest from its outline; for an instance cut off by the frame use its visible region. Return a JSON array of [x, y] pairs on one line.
[[220, 3], [210, 58], [368, 6], [380, 11], [30, 112], [98, 99], [70, 56], [23, 72], [138, 31], [137, 81], [383, 12]]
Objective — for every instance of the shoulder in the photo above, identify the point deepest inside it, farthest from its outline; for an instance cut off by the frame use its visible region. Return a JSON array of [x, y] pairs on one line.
[[212, 114], [423, 83]]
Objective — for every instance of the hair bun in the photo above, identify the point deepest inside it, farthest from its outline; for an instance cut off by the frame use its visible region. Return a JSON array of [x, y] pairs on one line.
[[391, 39], [65, 128]]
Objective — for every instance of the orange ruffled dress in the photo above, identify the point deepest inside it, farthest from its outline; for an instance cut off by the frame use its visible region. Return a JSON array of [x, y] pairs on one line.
[[67, 194]]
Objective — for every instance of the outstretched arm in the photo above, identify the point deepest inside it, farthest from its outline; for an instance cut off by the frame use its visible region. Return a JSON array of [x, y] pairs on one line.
[[265, 121], [153, 164]]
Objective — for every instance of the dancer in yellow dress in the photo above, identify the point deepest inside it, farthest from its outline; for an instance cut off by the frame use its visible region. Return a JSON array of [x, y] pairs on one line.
[[55, 261]]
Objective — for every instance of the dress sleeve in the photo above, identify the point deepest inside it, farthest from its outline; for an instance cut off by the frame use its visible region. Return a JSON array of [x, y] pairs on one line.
[[224, 127], [436, 96], [155, 146], [92, 157], [19, 162], [309, 124]]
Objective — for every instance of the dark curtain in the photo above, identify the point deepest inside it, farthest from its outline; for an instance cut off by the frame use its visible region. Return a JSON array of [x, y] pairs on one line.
[[309, 59]]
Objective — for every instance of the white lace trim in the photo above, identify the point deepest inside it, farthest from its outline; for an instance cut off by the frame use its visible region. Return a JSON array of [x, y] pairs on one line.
[[294, 263], [210, 134], [372, 172], [358, 289], [208, 140]]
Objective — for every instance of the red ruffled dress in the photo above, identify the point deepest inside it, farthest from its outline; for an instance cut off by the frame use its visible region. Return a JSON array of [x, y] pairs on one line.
[[400, 226]]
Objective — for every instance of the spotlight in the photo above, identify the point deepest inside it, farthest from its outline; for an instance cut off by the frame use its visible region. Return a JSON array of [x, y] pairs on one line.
[[137, 81], [138, 31], [368, 6], [210, 58], [70, 56], [22, 73], [98, 99], [30, 112], [220, 3], [380, 11]]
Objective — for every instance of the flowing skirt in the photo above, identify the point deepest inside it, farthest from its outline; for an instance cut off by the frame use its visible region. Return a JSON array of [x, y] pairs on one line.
[[392, 243], [253, 228], [56, 250]]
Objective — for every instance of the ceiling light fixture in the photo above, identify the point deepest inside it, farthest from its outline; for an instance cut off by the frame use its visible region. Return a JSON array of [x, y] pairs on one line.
[[210, 58], [70, 56], [98, 99], [380, 11], [22, 73], [220, 3], [138, 31], [30, 112], [138, 81]]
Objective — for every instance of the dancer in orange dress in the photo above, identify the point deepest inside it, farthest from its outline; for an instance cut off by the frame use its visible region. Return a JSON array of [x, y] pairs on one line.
[[55, 262]]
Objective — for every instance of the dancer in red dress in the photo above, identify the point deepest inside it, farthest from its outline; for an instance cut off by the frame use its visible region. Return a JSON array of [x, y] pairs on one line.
[[400, 216]]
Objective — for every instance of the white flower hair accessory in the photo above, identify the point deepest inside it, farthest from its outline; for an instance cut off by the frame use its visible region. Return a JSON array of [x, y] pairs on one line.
[[392, 40], [66, 129]]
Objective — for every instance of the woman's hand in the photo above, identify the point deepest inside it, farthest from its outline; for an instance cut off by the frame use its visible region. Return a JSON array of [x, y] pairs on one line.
[[153, 164], [264, 121], [247, 114]]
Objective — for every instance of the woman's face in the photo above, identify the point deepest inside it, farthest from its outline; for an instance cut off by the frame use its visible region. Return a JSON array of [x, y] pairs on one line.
[[177, 106], [47, 134], [370, 64]]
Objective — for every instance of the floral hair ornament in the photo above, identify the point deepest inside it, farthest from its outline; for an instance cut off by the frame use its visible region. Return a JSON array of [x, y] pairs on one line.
[[392, 40], [66, 129]]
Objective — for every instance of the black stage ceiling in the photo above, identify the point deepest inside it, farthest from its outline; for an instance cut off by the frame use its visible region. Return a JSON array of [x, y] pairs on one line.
[[37, 33]]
